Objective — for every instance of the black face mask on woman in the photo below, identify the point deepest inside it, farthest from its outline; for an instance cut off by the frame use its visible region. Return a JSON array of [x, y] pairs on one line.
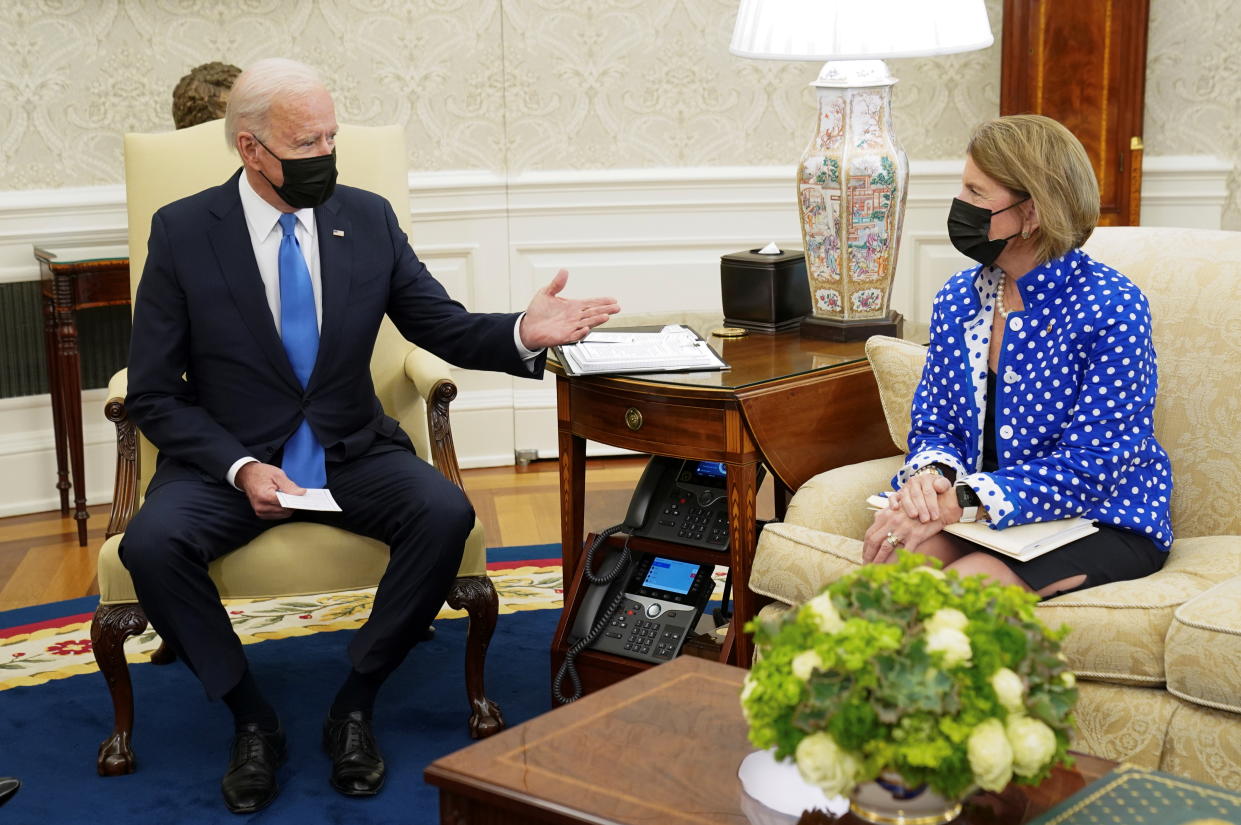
[[308, 182], [969, 229]]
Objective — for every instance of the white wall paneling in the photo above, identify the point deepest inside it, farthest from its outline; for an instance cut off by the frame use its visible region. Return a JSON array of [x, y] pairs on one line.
[[28, 456], [650, 237]]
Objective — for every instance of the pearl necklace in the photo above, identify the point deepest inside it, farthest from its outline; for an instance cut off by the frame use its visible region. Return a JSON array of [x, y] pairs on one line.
[[999, 296]]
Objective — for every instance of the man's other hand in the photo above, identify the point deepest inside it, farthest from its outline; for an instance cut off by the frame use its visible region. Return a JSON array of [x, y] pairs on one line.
[[551, 320], [260, 483]]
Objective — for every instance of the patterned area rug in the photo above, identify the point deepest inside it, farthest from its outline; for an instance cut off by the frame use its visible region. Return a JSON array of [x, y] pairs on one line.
[[58, 648], [526, 578]]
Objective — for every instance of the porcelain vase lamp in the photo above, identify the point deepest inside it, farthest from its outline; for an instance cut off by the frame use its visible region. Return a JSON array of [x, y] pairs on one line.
[[853, 176]]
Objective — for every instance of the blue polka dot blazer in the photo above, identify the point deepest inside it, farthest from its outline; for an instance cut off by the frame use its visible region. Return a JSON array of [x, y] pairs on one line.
[[1076, 396]]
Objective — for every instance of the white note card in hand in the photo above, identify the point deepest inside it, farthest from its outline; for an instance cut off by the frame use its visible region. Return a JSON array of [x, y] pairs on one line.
[[314, 499]]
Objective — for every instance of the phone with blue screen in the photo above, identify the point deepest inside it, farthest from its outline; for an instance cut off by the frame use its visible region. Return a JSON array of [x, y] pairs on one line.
[[660, 601]]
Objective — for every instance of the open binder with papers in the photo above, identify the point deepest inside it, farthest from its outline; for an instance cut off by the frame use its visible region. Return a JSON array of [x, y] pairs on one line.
[[674, 348], [1022, 542]]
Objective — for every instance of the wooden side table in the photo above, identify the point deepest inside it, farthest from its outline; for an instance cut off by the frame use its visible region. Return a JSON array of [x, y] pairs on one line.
[[662, 747], [797, 405], [74, 278]]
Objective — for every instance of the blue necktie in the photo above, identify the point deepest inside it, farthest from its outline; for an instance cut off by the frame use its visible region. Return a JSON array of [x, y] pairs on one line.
[[299, 331]]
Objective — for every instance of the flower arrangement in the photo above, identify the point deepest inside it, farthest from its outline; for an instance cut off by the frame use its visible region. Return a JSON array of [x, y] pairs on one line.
[[902, 668]]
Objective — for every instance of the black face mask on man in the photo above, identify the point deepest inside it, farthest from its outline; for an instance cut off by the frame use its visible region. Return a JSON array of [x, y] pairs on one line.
[[308, 182], [969, 229]]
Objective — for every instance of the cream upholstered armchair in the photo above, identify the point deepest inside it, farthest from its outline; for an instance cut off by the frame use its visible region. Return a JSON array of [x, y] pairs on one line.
[[294, 559], [1159, 658]]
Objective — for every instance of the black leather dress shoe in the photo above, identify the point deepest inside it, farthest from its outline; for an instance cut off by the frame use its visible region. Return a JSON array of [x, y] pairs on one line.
[[250, 784], [357, 766], [8, 787]]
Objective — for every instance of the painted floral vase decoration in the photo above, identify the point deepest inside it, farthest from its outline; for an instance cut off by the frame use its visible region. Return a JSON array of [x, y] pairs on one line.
[[929, 683]]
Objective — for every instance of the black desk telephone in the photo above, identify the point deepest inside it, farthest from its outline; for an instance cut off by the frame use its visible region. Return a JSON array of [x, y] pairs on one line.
[[659, 603], [682, 501], [645, 606]]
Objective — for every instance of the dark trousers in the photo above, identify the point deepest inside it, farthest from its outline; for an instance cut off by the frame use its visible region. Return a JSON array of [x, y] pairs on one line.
[[391, 496]]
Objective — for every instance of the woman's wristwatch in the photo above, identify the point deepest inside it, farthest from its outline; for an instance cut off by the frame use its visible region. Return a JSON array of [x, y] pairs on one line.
[[971, 505]]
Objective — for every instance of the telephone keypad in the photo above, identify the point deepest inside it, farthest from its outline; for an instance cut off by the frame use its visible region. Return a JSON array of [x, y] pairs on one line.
[[655, 640], [698, 519]]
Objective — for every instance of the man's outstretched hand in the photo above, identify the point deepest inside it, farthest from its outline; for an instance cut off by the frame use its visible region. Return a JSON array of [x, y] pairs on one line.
[[551, 320]]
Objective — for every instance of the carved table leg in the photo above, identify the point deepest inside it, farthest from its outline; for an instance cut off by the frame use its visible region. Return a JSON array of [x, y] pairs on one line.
[[477, 596], [54, 388], [71, 409], [113, 624]]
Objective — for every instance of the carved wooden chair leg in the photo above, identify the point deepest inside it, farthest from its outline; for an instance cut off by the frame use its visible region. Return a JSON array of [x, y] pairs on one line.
[[477, 596], [163, 655], [112, 625]]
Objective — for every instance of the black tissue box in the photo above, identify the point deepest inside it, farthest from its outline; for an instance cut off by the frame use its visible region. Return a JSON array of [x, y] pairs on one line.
[[764, 293]]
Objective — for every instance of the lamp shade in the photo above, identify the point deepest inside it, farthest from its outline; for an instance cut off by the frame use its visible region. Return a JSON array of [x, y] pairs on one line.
[[858, 29]]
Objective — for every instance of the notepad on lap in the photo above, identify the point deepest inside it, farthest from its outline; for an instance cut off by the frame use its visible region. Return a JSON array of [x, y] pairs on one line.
[[1023, 541]]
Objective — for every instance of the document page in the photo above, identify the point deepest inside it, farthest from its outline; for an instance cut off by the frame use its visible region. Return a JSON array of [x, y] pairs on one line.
[[314, 499], [672, 348]]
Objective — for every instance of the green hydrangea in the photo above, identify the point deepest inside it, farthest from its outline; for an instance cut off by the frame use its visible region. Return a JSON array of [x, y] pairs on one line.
[[895, 694]]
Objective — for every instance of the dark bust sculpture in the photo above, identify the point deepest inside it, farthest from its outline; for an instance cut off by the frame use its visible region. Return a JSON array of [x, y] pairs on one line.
[[202, 94]]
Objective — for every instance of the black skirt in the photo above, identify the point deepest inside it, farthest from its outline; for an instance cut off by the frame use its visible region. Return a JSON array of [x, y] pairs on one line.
[[1110, 555]]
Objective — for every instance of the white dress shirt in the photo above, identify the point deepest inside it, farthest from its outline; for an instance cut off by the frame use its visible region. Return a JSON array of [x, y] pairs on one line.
[[263, 221]]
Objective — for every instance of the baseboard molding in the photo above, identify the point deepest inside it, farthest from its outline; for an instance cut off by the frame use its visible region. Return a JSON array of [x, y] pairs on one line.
[[652, 237]]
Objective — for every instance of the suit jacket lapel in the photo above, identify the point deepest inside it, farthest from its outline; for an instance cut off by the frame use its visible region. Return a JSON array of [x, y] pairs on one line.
[[230, 238], [332, 229]]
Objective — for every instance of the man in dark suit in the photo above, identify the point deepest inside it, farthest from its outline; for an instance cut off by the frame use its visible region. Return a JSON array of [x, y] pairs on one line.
[[249, 370]]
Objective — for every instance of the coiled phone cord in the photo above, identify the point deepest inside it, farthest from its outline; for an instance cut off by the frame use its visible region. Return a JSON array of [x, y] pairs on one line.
[[568, 668]]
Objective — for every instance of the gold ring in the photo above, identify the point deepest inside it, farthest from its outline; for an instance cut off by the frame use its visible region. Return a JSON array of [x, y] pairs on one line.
[[893, 540]]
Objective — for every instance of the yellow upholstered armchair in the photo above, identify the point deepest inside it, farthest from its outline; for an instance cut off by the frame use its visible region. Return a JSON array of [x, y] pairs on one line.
[[1159, 658], [295, 559]]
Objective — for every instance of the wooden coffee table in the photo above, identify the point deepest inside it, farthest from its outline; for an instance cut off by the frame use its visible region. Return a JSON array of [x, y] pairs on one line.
[[662, 746]]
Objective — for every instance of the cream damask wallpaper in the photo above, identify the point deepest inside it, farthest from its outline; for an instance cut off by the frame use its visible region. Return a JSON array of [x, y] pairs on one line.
[[479, 84], [519, 85], [1193, 86]]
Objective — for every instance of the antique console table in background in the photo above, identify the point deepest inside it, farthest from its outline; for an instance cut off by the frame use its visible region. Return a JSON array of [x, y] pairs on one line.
[[74, 278]]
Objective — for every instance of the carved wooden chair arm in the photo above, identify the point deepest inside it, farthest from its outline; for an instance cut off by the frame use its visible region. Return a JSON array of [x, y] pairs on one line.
[[125, 487], [432, 377]]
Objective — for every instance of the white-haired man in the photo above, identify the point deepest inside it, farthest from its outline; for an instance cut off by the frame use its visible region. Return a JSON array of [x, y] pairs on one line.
[[253, 327]]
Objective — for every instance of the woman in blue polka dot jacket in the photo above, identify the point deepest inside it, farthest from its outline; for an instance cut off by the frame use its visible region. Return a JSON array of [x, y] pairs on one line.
[[1037, 398]]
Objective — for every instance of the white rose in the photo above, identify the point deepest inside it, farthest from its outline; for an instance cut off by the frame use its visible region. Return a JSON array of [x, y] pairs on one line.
[[748, 686], [948, 617], [954, 644], [822, 762], [805, 663], [1010, 689], [990, 755], [824, 613], [1069, 678], [1033, 744]]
